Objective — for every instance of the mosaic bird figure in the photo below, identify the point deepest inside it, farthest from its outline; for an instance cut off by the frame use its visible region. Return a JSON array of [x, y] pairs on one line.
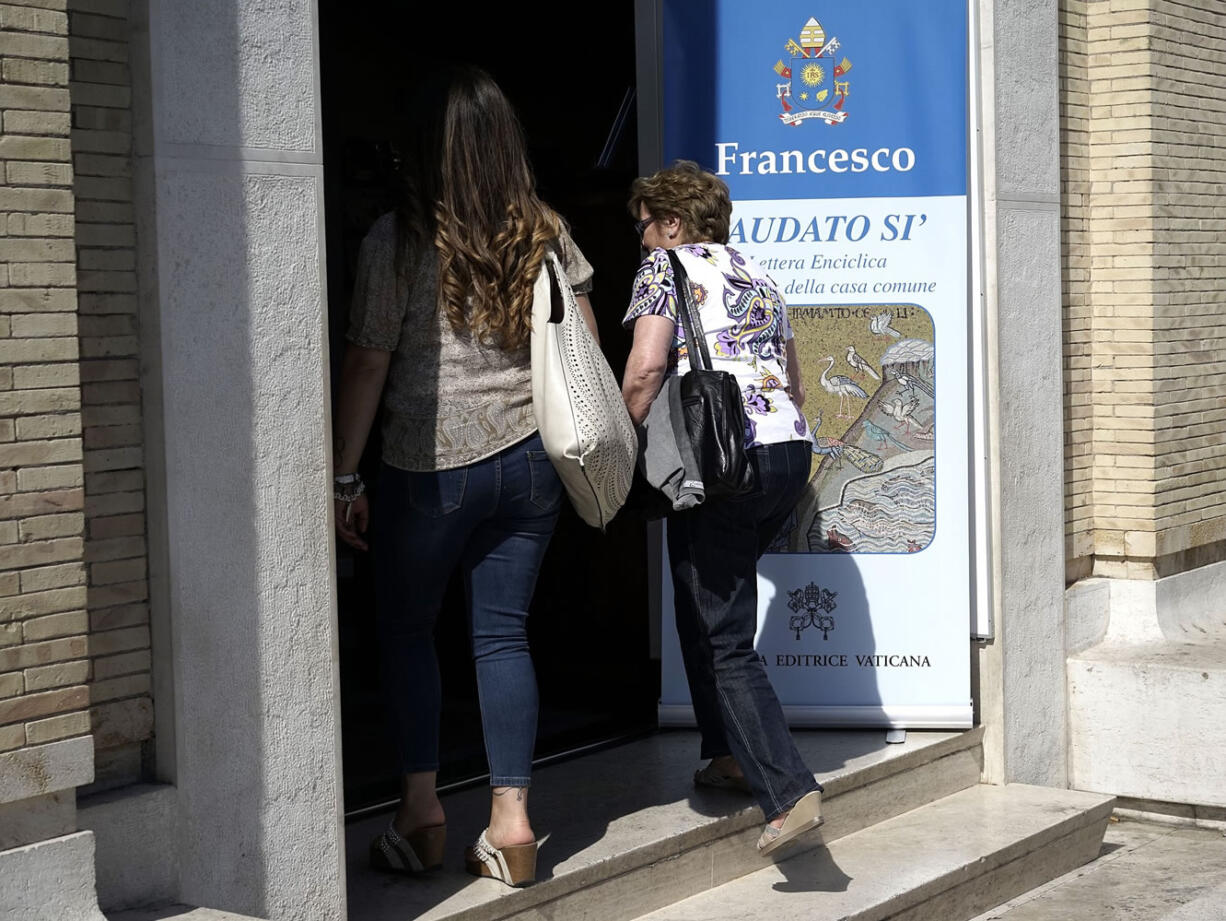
[[863, 460], [838, 450], [911, 384], [878, 434], [902, 411], [879, 325], [825, 446], [856, 360], [842, 386]]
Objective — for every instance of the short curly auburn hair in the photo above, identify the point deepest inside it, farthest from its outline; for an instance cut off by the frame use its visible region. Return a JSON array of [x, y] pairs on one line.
[[686, 191]]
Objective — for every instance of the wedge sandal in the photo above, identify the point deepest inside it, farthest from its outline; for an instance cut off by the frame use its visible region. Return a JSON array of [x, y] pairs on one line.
[[416, 852], [805, 816], [710, 777], [513, 864]]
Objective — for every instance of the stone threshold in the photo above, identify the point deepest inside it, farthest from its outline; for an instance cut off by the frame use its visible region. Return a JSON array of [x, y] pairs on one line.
[[628, 833], [175, 912]]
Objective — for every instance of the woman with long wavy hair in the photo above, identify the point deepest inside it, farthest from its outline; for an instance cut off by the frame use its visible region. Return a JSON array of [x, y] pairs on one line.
[[439, 333]]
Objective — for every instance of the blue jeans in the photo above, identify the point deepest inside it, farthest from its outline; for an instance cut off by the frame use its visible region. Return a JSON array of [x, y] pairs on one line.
[[713, 550], [492, 518]]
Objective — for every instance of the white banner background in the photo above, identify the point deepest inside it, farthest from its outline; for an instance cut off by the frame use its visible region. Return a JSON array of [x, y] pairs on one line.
[[896, 654]]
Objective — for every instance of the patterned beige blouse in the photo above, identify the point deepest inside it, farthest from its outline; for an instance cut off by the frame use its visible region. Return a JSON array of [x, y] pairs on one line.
[[449, 400]]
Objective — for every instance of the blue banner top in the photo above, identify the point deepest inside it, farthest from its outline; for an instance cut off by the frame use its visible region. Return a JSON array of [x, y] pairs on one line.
[[794, 100]]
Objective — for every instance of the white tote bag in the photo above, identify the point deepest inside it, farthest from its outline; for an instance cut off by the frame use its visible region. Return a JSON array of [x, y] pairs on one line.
[[582, 419]]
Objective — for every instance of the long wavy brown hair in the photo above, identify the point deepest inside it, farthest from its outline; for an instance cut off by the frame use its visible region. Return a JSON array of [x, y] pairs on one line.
[[470, 192]]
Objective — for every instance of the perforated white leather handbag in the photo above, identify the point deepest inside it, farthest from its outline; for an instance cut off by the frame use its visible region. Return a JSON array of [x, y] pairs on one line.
[[582, 419]]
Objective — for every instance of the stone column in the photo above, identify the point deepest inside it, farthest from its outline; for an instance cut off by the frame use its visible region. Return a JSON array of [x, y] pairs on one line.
[[233, 327], [1022, 683]]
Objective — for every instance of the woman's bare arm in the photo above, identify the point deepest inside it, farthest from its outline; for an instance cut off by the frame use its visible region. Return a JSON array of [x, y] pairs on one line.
[[363, 372], [647, 364], [796, 384], [585, 308]]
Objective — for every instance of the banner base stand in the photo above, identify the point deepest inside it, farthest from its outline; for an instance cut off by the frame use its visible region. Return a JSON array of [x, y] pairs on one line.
[[867, 717]]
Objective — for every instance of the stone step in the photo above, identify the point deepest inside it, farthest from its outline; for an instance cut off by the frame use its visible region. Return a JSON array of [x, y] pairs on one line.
[[1132, 710], [1144, 872], [628, 832], [946, 861]]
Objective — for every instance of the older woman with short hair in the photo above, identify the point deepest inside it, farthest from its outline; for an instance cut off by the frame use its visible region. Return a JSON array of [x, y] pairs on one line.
[[714, 547]]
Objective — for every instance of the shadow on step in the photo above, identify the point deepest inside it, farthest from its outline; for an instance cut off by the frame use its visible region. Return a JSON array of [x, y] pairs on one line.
[[631, 814], [815, 871]]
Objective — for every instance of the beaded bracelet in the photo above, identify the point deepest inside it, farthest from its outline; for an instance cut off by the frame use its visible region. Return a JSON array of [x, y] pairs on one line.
[[347, 486]]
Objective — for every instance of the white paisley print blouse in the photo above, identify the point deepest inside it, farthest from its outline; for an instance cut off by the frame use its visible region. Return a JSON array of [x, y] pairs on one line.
[[746, 325]]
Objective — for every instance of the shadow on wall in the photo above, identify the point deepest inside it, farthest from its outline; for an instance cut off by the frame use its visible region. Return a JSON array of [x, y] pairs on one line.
[[115, 551], [818, 635]]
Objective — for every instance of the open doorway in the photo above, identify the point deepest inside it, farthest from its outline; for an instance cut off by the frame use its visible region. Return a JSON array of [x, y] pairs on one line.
[[589, 627]]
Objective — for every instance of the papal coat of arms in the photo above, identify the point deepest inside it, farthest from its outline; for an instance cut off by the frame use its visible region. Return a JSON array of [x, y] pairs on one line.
[[813, 607], [817, 86]]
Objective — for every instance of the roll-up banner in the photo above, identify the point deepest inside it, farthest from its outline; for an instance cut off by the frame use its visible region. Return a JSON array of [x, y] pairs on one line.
[[842, 132]]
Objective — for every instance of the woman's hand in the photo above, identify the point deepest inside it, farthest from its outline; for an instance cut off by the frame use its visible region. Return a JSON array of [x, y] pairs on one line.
[[352, 518]]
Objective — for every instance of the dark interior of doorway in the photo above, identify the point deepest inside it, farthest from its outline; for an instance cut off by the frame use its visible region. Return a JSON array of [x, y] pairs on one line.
[[589, 623]]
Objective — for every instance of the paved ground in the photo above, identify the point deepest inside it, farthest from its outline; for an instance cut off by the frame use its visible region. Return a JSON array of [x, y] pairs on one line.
[[1145, 872]]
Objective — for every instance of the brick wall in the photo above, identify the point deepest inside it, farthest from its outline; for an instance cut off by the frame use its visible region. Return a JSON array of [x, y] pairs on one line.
[[1188, 133], [1075, 103], [44, 662], [115, 552], [74, 619], [1144, 252]]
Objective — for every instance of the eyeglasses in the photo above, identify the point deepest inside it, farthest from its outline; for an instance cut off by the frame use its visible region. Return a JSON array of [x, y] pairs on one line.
[[640, 227]]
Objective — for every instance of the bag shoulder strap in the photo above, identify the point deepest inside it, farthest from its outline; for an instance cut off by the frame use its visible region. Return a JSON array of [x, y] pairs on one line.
[[557, 300], [691, 322]]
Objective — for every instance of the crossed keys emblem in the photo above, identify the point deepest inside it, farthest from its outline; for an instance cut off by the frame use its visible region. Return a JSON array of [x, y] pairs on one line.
[[812, 605], [817, 85]]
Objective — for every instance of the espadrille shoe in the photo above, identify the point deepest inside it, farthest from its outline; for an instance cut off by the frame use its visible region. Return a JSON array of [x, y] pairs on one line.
[[513, 864], [416, 852]]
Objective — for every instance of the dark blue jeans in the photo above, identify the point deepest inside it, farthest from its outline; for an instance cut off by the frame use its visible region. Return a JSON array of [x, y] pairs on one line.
[[493, 519], [713, 550]]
